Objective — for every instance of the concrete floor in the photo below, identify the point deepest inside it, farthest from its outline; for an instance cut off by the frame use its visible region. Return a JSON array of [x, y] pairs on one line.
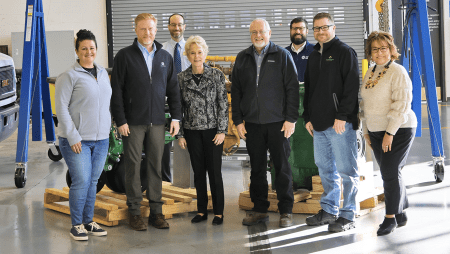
[[27, 227]]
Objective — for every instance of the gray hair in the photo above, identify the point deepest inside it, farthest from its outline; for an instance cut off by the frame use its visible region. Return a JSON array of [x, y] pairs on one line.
[[197, 40], [266, 24]]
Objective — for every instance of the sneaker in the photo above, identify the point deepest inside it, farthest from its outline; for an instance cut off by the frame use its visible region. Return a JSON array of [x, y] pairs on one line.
[[320, 218], [137, 223], [286, 220], [158, 221], [341, 224], [94, 229], [253, 218], [79, 233]]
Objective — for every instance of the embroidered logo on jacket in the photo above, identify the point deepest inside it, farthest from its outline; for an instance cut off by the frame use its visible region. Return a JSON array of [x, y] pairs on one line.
[[330, 59], [162, 64], [271, 61]]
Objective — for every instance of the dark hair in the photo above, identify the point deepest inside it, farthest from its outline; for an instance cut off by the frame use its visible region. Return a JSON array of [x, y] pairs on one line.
[[82, 35], [176, 14], [380, 36], [323, 15], [298, 20]]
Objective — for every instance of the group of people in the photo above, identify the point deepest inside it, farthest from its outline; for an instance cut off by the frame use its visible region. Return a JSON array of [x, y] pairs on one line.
[[265, 101]]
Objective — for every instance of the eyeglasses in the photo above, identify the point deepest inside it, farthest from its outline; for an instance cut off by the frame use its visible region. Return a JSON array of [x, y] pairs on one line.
[[324, 28], [175, 25], [254, 33], [382, 50], [300, 29]]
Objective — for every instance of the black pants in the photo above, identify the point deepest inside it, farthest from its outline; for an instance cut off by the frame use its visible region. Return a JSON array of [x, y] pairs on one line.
[[261, 137], [152, 138], [206, 157], [391, 164], [165, 163]]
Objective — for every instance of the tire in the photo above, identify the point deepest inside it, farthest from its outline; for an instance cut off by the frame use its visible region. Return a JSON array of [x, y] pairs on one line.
[[115, 178], [439, 172], [19, 178]]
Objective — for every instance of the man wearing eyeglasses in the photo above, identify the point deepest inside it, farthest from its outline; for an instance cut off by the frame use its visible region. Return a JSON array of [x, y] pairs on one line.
[[265, 102], [175, 46], [331, 107], [300, 48]]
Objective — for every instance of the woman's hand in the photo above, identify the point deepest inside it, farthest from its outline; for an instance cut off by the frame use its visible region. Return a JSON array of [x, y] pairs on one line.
[[367, 138], [387, 143], [218, 139], [76, 148], [182, 143]]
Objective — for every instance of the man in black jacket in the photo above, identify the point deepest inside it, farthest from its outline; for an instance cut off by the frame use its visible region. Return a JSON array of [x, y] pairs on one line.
[[331, 107], [143, 74], [265, 94]]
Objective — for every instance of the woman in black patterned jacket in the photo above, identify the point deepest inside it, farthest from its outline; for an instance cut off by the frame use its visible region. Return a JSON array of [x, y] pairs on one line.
[[205, 121]]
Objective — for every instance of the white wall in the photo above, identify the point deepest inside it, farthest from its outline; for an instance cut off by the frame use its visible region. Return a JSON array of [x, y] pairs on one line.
[[446, 45], [59, 15]]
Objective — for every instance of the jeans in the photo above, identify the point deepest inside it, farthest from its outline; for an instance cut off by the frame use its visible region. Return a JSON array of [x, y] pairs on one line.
[[335, 156], [84, 168]]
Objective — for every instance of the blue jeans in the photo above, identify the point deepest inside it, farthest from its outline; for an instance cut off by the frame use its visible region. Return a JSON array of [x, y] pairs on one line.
[[335, 156], [84, 168]]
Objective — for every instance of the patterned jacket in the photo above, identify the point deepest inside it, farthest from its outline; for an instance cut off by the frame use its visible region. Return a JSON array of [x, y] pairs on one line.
[[204, 106]]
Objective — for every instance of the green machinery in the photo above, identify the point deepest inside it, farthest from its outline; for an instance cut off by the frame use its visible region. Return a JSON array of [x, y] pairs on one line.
[[301, 158]]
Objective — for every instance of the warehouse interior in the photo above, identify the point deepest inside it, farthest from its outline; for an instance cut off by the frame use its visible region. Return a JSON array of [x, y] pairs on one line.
[[26, 226]]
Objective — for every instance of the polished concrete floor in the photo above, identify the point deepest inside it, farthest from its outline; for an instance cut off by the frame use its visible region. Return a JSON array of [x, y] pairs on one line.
[[27, 227]]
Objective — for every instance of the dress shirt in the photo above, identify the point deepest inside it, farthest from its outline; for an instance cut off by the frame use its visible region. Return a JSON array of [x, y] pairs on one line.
[[169, 46], [300, 49], [259, 58], [148, 56]]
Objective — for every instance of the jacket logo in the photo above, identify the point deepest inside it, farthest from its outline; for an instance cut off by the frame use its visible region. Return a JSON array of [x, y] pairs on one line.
[[162, 64], [271, 61], [304, 57], [330, 59]]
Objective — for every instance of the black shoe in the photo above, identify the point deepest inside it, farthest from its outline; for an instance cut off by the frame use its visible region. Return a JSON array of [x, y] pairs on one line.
[[401, 219], [94, 229], [320, 218], [387, 227], [79, 233], [158, 221], [199, 218], [341, 224], [217, 220]]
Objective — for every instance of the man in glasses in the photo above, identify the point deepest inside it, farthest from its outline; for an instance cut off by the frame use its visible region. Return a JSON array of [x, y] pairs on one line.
[[175, 46], [331, 107], [300, 48], [265, 102]]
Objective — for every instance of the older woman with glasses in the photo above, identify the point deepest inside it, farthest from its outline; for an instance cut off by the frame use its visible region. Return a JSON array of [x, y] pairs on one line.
[[389, 124], [204, 105]]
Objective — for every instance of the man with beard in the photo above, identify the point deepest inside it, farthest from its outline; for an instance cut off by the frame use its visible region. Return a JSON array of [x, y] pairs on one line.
[[175, 46], [265, 102], [300, 48]]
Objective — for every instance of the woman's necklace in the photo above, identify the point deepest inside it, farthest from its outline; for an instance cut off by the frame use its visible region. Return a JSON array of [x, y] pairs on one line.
[[199, 76], [371, 83]]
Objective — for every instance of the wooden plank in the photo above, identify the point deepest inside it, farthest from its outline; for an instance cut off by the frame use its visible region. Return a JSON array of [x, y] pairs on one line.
[[247, 204], [299, 195], [122, 214], [107, 199], [316, 196], [317, 187], [177, 197], [185, 192], [316, 179], [362, 212], [369, 203], [57, 192], [50, 198], [303, 207], [313, 201], [110, 193], [180, 207]]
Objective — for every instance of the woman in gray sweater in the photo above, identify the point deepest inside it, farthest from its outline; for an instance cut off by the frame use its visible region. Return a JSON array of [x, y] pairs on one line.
[[389, 124], [204, 105], [82, 98]]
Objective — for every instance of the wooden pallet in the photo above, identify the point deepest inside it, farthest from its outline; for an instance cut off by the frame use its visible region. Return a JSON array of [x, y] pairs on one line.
[[111, 207]]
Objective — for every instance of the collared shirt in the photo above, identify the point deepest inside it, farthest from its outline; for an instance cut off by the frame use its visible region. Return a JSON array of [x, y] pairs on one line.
[[148, 56], [169, 46], [300, 49], [259, 58]]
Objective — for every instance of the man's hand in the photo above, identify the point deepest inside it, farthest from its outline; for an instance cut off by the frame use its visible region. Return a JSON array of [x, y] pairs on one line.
[[76, 148], [288, 129], [174, 128], [309, 128], [241, 130], [124, 130], [339, 126]]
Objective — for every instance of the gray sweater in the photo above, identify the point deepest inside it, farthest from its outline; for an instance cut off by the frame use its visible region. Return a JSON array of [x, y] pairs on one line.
[[82, 104]]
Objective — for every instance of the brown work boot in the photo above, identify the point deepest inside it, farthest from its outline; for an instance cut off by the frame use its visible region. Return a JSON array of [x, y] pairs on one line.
[[157, 220], [137, 223], [253, 218], [286, 220]]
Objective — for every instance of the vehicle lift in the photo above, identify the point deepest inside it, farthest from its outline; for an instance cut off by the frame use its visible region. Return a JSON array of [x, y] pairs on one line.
[[34, 91], [417, 58]]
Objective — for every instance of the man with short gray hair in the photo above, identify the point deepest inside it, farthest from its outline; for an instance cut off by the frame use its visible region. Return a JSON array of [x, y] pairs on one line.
[[265, 102]]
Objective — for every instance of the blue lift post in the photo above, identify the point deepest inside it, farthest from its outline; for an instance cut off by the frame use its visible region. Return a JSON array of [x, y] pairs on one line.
[[34, 91], [417, 58]]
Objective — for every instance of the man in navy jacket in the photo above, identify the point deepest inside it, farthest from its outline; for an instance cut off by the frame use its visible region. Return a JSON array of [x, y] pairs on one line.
[[143, 74], [265, 102]]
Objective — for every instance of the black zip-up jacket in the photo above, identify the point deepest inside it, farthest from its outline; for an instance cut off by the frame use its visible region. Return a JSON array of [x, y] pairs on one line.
[[331, 85], [137, 98], [276, 98]]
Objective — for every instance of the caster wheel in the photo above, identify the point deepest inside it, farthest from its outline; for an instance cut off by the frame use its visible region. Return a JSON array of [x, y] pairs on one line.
[[54, 157], [101, 181], [439, 172], [19, 178]]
